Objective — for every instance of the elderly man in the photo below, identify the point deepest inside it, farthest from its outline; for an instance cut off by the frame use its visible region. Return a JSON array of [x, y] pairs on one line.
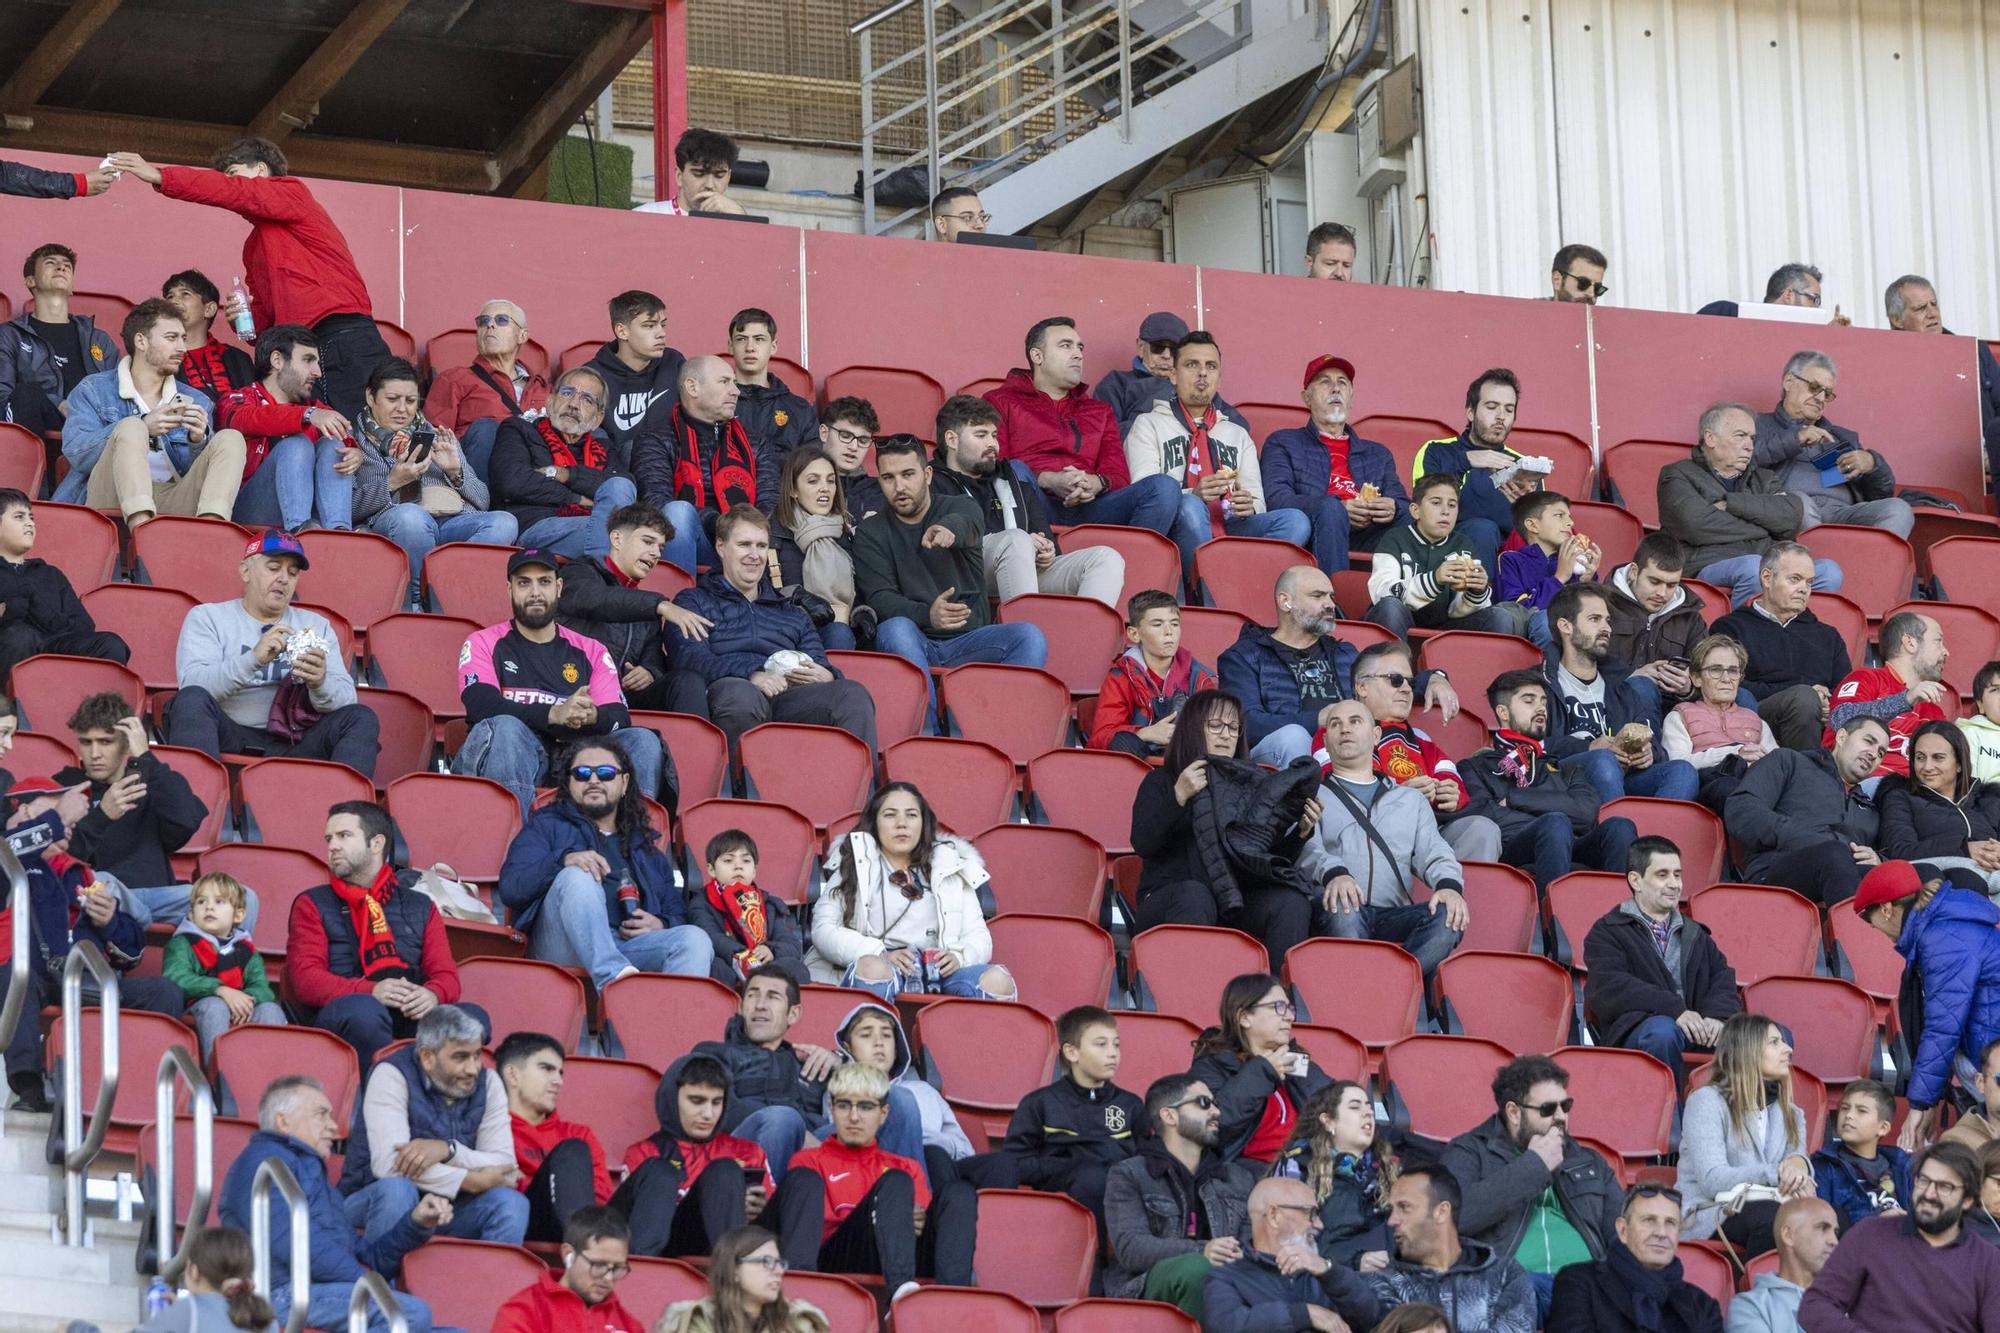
[[1796, 659], [471, 401], [1576, 275], [1284, 1282], [702, 463], [296, 1127], [1287, 677], [1330, 252], [1806, 1230], [1345, 485], [1385, 680], [1637, 1287], [1726, 511], [434, 1121], [1905, 692], [1476, 457], [1842, 481], [1912, 306], [1802, 818], [557, 477]]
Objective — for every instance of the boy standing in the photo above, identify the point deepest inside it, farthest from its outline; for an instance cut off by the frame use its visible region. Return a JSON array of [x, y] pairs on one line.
[[216, 965], [748, 927], [39, 610], [1551, 556], [1142, 695], [1861, 1176], [1067, 1136], [1426, 574]]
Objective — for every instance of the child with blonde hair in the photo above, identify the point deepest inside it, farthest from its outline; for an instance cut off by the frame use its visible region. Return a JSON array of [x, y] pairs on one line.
[[216, 965]]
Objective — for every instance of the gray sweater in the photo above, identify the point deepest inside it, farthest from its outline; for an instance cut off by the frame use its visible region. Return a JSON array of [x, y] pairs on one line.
[[217, 653], [196, 1312], [1770, 1306], [371, 483], [1715, 1159], [1404, 820]]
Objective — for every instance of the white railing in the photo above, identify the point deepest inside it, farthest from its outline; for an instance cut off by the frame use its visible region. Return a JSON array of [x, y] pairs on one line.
[[274, 1175], [178, 1063], [371, 1289], [80, 1143]]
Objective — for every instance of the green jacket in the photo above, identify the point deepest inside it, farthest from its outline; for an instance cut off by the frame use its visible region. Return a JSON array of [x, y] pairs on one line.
[[181, 967]]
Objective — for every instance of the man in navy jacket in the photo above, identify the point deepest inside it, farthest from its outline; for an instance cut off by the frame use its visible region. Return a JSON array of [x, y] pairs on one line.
[[1474, 456], [1346, 485]]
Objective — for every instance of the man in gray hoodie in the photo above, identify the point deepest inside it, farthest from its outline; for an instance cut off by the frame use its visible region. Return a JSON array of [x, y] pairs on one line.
[[1807, 1230], [1373, 837]]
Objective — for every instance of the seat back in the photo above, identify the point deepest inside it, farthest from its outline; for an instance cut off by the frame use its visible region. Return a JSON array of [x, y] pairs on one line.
[[1762, 931], [287, 799], [1402, 436], [1634, 468], [1706, 1267], [1021, 711], [418, 654], [48, 687], [1372, 990], [148, 619], [142, 1039], [460, 347], [1615, 529], [988, 1056], [209, 781], [232, 1134], [1240, 574], [463, 822], [700, 752], [1471, 656], [900, 689], [1508, 909], [821, 772], [1624, 1099], [362, 575], [1058, 962], [1869, 954], [615, 1098], [465, 1282], [250, 1058], [22, 459], [41, 754], [822, 1010], [1441, 1083], [77, 538], [408, 734], [964, 1310], [1337, 1054], [701, 1006], [904, 400], [1208, 631], [1152, 1046], [970, 785], [523, 995], [1038, 1247], [844, 1302], [1045, 870], [1518, 1000], [1099, 1315], [1184, 967], [1083, 635], [1695, 829], [1964, 567], [1151, 561], [200, 556], [1576, 903], [654, 1284], [1832, 1023], [1090, 791], [397, 339], [1880, 567], [277, 874], [785, 842], [469, 579]]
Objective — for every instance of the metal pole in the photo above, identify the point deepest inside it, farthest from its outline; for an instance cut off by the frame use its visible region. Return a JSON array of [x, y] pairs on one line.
[[930, 90], [1056, 70], [17, 965], [273, 1174], [81, 1145], [868, 130], [369, 1289], [1125, 70], [176, 1061]]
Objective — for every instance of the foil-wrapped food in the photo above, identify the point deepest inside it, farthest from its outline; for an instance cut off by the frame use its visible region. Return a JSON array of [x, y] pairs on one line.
[[298, 644]]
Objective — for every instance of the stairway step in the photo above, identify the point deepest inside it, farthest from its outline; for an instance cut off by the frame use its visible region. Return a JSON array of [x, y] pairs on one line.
[[44, 1305], [25, 1258]]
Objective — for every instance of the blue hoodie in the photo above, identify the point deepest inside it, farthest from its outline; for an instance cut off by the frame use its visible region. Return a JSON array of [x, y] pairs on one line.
[[1955, 949], [537, 853], [338, 1253]]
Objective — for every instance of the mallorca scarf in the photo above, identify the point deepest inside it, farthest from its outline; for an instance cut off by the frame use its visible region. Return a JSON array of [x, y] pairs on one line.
[[1200, 459], [374, 941], [741, 907], [222, 959], [1521, 756], [563, 454], [734, 472]]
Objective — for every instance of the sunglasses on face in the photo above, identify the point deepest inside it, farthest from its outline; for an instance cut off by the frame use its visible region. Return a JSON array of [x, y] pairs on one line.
[[602, 772], [493, 321], [1204, 1101], [1547, 1109], [1396, 680], [1586, 285]]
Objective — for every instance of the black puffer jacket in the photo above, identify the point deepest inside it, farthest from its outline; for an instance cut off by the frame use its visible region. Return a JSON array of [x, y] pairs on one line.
[[1246, 823], [1549, 791], [1242, 1087], [759, 1078], [777, 422], [625, 620], [1790, 800], [1918, 824], [1502, 1181], [36, 182], [744, 633]]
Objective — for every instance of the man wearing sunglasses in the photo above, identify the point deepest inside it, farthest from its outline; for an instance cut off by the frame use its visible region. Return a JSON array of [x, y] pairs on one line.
[[1576, 275], [581, 1296], [473, 400], [1533, 1193], [588, 882], [1842, 480], [1637, 1287], [1130, 394]]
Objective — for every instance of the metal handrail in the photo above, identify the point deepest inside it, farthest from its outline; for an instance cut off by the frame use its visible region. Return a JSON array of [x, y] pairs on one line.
[[867, 21], [17, 960], [372, 1288], [81, 1144], [179, 1062], [273, 1174]]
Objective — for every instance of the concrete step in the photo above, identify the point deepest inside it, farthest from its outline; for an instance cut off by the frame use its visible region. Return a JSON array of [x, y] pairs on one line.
[[45, 1305]]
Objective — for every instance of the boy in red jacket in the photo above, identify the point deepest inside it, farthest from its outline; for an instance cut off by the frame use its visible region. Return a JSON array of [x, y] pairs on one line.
[[880, 1216], [581, 1296], [1142, 695], [562, 1163]]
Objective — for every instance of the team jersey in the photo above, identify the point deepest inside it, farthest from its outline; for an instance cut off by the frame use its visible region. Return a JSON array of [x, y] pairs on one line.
[[1868, 685]]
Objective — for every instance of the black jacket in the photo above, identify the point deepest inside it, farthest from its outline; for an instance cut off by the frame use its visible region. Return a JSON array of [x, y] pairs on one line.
[[777, 422], [1621, 705], [759, 1078], [1029, 512], [1628, 982], [515, 481], [26, 363], [1069, 1122], [1352, 1221], [1163, 835], [782, 932], [727, 464], [1791, 799], [1150, 1202], [863, 495], [1513, 808], [1501, 1183], [1804, 651], [1242, 1087], [1605, 1297], [136, 848], [1246, 827], [38, 594], [1918, 824], [36, 182], [625, 620], [1252, 1296], [636, 401]]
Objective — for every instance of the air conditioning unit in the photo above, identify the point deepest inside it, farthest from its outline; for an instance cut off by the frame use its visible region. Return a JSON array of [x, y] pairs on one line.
[[1385, 123]]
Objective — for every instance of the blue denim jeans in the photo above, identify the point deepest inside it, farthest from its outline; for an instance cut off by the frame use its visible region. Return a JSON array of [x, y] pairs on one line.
[[574, 535], [1670, 779], [499, 1215], [1335, 538], [1549, 849], [962, 984], [507, 750], [1150, 502], [1282, 746], [1422, 932], [417, 531], [1009, 645], [574, 929], [1192, 528], [1740, 574], [475, 445], [1662, 1038], [689, 541], [296, 483], [326, 1306], [837, 637], [780, 1131]]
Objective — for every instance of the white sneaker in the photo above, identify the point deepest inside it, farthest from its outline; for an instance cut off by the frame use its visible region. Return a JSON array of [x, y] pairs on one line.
[[627, 971], [905, 1290]]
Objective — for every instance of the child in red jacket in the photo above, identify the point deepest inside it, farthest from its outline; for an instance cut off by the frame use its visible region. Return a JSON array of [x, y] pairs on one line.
[[1141, 697]]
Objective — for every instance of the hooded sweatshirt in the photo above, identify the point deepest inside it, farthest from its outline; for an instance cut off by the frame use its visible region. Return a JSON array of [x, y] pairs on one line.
[[200, 964], [689, 1157], [1639, 636], [1133, 697], [941, 1128], [1770, 1306], [1984, 738], [637, 402]]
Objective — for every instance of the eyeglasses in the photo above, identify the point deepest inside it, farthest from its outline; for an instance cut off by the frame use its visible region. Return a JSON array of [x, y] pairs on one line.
[[1396, 679], [843, 1106], [769, 1262], [1216, 726], [495, 321], [1282, 1008], [1652, 1190], [602, 772], [1805, 294], [1814, 389], [1722, 672], [1547, 1109], [1584, 284], [969, 218], [604, 1267], [1204, 1101], [1942, 1188], [860, 437], [589, 400]]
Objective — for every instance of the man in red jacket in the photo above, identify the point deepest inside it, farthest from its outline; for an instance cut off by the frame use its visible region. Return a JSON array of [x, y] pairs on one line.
[[581, 1296], [1070, 440], [1905, 692], [366, 954], [295, 260], [299, 455]]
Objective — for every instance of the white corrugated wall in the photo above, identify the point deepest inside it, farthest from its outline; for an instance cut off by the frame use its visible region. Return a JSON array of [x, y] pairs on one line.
[[1701, 143]]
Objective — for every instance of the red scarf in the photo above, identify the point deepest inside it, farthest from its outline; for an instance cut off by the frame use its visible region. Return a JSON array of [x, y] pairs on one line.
[[563, 454], [734, 474], [1201, 458], [226, 966], [741, 907], [375, 942], [1521, 756]]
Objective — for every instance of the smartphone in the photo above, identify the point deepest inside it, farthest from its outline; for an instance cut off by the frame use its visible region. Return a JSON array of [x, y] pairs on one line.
[[420, 445]]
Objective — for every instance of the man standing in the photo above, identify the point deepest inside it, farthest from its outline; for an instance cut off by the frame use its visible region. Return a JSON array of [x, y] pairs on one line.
[[1020, 552], [39, 609], [1656, 980], [142, 811], [1595, 701], [602, 599], [1330, 251], [471, 401], [1284, 1282], [261, 676], [1842, 480], [1806, 1230], [956, 210], [1477, 458], [1912, 306], [45, 351], [776, 419], [1920, 1270], [1905, 692], [1802, 819], [581, 1296], [1576, 275], [1345, 485], [1474, 1285], [299, 458], [531, 687], [1796, 659], [559, 480], [1070, 441], [211, 365], [295, 260], [1175, 1209], [1637, 1287], [1385, 681]]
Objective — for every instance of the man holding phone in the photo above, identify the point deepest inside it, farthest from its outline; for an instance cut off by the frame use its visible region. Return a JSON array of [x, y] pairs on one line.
[[1656, 621]]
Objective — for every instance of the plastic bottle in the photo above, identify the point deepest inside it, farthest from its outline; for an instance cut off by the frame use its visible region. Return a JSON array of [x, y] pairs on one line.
[[246, 327], [158, 1295]]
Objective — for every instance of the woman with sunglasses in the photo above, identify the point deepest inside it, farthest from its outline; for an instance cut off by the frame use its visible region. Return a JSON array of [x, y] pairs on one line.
[[1743, 1128], [1260, 1079], [1714, 731], [1340, 1149], [746, 1293], [1938, 814], [900, 909], [812, 539]]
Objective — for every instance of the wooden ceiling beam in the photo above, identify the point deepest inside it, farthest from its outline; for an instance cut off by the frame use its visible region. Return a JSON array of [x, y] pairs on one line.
[[295, 104], [550, 118], [53, 54]]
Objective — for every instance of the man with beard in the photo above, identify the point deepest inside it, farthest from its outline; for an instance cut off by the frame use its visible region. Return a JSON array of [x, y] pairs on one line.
[[531, 687], [1922, 1270], [1385, 680], [1905, 692], [1020, 551], [1476, 456], [562, 483], [587, 882], [299, 458], [1596, 703], [1345, 485], [1638, 1286], [1174, 1210]]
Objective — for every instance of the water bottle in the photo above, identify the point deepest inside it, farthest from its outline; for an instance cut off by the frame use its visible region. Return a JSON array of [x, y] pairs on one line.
[[158, 1295], [246, 328]]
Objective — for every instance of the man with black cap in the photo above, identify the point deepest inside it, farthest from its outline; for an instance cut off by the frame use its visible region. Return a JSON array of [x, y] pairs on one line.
[[1130, 394], [1346, 485], [531, 686], [261, 676]]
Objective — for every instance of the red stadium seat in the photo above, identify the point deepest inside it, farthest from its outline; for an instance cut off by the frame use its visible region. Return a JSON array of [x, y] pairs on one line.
[[1505, 909], [1466, 733], [1633, 468], [1706, 1267], [1241, 573], [523, 995], [1337, 1054], [1090, 791], [1208, 632], [1624, 1099], [1083, 635], [964, 1310], [669, 581], [988, 1056], [209, 781], [1613, 527], [1763, 932], [1868, 958], [1362, 634], [1576, 469], [1099, 1315], [1472, 659], [654, 1284], [1152, 1046], [232, 1135], [784, 838], [822, 1010], [1832, 1023], [700, 752], [40, 754], [1519, 1000], [1848, 620], [400, 343], [613, 1097], [905, 400], [1880, 567], [1058, 962], [79, 539], [821, 772], [1267, 419], [979, 388], [251, 1058], [900, 689], [1184, 967], [1440, 1084], [465, 1282], [200, 556], [1372, 990], [844, 1302], [149, 620], [408, 734], [1576, 902], [1965, 567], [49, 686], [1021, 711], [463, 822], [577, 354], [797, 377], [460, 347], [142, 1038], [362, 575], [1151, 561], [1038, 1247], [107, 309], [1350, 592], [469, 579], [277, 874], [969, 784], [1049, 871], [419, 655], [287, 799], [701, 1007], [1972, 633], [1695, 829], [23, 460], [1401, 436]]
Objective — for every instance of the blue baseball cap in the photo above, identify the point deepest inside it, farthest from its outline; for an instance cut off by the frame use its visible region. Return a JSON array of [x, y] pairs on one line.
[[276, 541]]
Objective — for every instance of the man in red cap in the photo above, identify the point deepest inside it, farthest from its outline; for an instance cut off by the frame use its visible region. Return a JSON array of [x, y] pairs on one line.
[[1346, 485]]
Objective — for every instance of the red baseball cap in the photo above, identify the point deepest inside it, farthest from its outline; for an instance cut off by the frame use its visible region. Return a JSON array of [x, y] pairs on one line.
[[1327, 362], [1886, 883]]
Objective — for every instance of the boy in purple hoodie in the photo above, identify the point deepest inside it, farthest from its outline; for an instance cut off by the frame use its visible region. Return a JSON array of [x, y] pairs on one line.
[[1552, 554]]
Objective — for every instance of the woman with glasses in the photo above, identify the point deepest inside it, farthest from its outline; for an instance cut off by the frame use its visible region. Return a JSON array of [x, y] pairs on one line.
[[1339, 1148], [1743, 1128], [812, 540], [746, 1293], [900, 910], [1260, 1079], [1938, 814], [1714, 731]]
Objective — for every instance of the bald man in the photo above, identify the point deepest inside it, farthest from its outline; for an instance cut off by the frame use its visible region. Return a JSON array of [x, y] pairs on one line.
[[1807, 1230], [704, 458], [1284, 1282], [471, 401]]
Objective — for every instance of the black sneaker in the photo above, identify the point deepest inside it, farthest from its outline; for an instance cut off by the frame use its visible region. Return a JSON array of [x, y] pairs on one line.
[[29, 1092]]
